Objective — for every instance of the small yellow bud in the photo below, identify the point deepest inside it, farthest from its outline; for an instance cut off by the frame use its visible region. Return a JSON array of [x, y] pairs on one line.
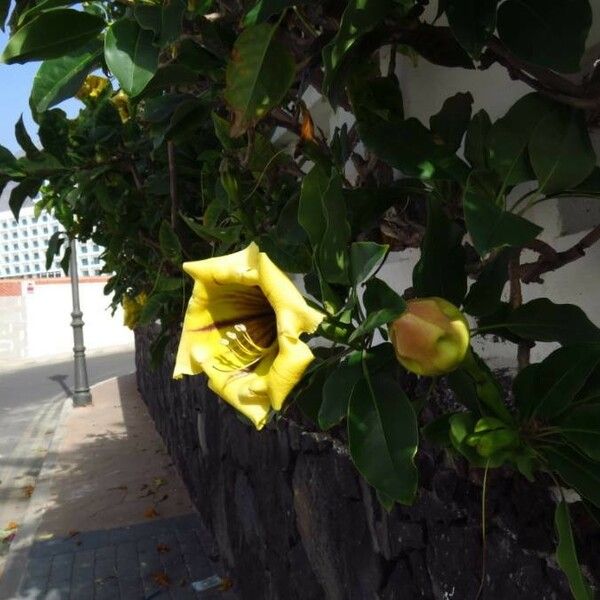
[[121, 102], [92, 87], [431, 337]]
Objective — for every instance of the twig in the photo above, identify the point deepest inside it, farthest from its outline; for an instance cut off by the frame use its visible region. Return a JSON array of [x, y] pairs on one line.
[[532, 272], [516, 299], [173, 183]]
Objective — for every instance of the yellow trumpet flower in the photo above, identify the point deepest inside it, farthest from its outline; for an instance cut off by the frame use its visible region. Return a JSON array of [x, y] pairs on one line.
[[242, 328]]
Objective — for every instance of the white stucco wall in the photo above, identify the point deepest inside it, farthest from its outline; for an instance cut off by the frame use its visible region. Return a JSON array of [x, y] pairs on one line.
[[37, 325]]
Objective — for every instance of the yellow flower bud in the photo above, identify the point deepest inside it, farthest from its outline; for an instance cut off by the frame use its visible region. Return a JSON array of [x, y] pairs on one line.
[[431, 337], [92, 87], [121, 102]]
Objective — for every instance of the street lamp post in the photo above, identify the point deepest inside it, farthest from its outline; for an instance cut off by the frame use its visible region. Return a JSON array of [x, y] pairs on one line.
[[81, 391]]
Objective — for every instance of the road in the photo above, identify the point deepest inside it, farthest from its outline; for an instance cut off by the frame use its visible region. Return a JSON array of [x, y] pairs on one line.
[[31, 399]]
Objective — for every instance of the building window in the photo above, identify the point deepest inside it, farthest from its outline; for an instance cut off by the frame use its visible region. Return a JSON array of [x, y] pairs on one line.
[[36, 255], [15, 235], [17, 269], [34, 231], [84, 261], [84, 249], [45, 230]]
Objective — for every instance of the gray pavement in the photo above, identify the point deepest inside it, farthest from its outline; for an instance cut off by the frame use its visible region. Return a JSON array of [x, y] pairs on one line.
[[31, 399], [156, 560]]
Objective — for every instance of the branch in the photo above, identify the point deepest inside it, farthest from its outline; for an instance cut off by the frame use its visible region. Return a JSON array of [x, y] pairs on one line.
[[532, 272], [516, 299]]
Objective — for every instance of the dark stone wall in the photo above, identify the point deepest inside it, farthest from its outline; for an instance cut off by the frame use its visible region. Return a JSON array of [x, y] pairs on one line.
[[291, 519]]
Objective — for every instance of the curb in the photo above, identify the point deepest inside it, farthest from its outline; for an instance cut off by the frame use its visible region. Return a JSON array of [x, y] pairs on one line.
[[18, 555]]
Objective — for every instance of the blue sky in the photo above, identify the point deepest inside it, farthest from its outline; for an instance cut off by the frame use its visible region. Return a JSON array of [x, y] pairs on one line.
[[15, 86]]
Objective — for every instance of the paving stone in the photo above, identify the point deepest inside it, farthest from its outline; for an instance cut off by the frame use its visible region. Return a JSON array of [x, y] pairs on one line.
[[120, 564]]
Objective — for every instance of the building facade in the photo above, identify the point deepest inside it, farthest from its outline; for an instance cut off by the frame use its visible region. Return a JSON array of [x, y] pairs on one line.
[[23, 247]]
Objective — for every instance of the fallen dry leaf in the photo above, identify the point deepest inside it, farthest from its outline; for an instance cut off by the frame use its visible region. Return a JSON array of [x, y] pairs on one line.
[[158, 481], [12, 525], [163, 548], [226, 584], [151, 513], [9, 538], [72, 533], [28, 490], [161, 579]]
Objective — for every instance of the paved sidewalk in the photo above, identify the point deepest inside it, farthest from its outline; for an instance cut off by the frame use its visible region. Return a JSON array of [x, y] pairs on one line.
[[110, 518]]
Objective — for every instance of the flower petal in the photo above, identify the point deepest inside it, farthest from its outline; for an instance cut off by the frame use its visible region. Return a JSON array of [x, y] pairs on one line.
[[293, 358], [294, 315]]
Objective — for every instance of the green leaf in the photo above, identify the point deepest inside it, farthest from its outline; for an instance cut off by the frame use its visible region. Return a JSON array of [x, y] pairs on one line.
[[259, 74], [264, 9], [365, 257], [581, 427], [476, 140], [310, 397], [576, 471], [169, 243], [560, 150], [8, 164], [338, 390], [212, 234], [544, 321], [332, 251], [437, 432], [549, 34], [450, 124], [509, 137], [383, 305], [473, 22], [489, 225], [61, 78], [383, 436], [289, 257], [51, 35], [441, 268], [24, 140], [485, 294], [28, 188], [57, 239], [462, 426], [130, 55], [489, 392], [152, 308], [566, 554], [360, 16], [548, 389]]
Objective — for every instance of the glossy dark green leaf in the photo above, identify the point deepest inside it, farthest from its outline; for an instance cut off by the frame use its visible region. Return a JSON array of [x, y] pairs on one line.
[[383, 437], [60, 78], [576, 471], [51, 35], [509, 138], [54, 133], [310, 397], [169, 243], [462, 426], [548, 389], [28, 188], [485, 294], [259, 74], [24, 140], [57, 239], [131, 55], [8, 164], [473, 22], [566, 554], [360, 17], [289, 257], [560, 150], [476, 140], [338, 390], [382, 304], [438, 431], [449, 125], [550, 34], [441, 267], [590, 185], [488, 223], [439, 46], [212, 234], [365, 257], [543, 320], [581, 427]]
